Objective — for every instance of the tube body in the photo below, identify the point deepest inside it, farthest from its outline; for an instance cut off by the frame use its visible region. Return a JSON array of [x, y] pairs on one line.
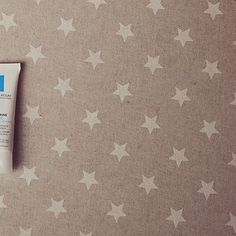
[[9, 75]]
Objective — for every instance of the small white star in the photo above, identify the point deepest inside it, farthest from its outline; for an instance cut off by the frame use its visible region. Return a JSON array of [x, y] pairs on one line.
[[178, 156], [148, 184], [97, 3], [183, 37], [25, 232], [232, 222], [234, 101], [207, 189], [7, 21], [32, 113], [233, 161], [213, 10], [181, 96], [63, 86], [209, 128], [234, 43], [91, 119], [35, 53], [60, 146], [88, 179], [122, 91], [116, 211], [155, 5], [176, 217], [125, 31], [29, 175], [2, 205], [150, 123], [82, 234], [94, 58], [66, 26], [38, 1], [57, 207], [211, 68], [153, 63], [120, 151]]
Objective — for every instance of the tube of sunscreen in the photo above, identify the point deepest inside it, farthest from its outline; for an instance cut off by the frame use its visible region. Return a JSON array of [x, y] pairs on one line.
[[9, 75]]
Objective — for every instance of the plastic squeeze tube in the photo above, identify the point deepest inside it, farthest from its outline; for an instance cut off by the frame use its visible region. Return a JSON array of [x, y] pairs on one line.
[[9, 75]]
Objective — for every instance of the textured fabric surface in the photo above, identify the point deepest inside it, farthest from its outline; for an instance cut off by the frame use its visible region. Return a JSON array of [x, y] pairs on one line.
[[125, 121]]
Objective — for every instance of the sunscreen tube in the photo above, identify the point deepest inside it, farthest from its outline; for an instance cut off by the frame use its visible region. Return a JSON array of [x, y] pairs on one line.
[[9, 75]]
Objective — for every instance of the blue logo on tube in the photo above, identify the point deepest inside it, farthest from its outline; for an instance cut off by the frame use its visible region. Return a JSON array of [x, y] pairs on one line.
[[1, 83]]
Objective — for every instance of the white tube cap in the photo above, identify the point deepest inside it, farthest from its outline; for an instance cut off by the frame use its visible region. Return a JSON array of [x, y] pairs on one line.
[[6, 162]]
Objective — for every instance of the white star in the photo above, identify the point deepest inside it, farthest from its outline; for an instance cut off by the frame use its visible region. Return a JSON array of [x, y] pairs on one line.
[[207, 189], [120, 151], [234, 43], [150, 123], [29, 175], [232, 221], [35, 53], [57, 207], [122, 91], [234, 101], [97, 3], [91, 119], [211, 68], [183, 37], [63, 86], [209, 128], [94, 58], [38, 1], [148, 184], [125, 31], [153, 63], [7, 21], [178, 156], [155, 5], [176, 216], [213, 10], [82, 234], [60, 146], [2, 205], [116, 211], [233, 161], [88, 179], [32, 113], [181, 96], [25, 232], [66, 26]]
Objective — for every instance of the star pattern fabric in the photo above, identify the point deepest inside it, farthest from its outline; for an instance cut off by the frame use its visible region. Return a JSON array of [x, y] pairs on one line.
[[207, 189], [29, 175], [183, 36], [7, 21], [60, 146], [125, 31], [32, 113], [122, 91], [150, 123], [66, 26], [116, 212], [213, 10], [88, 179], [211, 68], [91, 119], [35, 53], [209, 128], [148, 184], [63, 86], [57, 207], [178, 156], [176, 217], [153, 64]]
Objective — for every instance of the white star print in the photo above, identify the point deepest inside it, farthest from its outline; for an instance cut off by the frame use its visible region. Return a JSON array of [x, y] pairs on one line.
[[91, 119], [32, 113], [120, 151], [66, 26], [178, 156], [234, 101], [122, 91], [97, 3], [63, 86], [176, 217], [211, 69], [213, 10], [88, 179], [94, 58], [2, 205], [29, 175], [232, 222], [60, 146], [125, 31], [155, 5], [181, 96], [183, 37], [148, 184], [233, 161], [207, 189], [82, 234], [25, 232], [57, 207], [116, 212], [150, 123], [35, 53], [38, 1], [7, 21], [153, 63], [209, 128]]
